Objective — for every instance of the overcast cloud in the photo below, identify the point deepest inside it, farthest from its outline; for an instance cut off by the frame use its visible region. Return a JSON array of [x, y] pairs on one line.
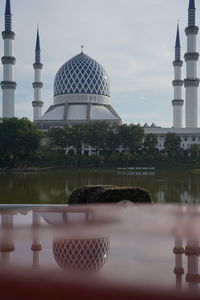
[[134, 40]]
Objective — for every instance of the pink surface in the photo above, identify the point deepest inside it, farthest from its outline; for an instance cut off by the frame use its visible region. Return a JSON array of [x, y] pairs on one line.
[[140, 246]]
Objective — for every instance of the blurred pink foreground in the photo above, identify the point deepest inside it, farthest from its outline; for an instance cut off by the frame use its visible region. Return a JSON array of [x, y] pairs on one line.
[[94, 252]]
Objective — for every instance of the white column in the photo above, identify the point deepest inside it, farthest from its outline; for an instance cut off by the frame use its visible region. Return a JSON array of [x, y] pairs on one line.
[[178, 101], [191, 81], [36, 246], [178, 270], [8, 84], [192, 251], [6, 243], [37, 85]]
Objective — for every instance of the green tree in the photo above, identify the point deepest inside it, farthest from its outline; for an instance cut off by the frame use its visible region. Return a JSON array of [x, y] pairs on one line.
[[131, 136], [96, 134], [58, 137], [112, 140], [172, 144], [195, 151], [19, 140], [77, 136], [150, 143]]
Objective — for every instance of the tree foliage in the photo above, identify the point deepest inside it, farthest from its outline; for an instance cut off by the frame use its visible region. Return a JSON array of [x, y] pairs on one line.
[[58, 137], [96, 134], [131, 136], [19, 140], [150, 143], [172, 144]]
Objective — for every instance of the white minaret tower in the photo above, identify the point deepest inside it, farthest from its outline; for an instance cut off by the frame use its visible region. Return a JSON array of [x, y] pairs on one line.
[[178, 270], [8, 60], [7, 246], [177, 103], [37, 85], [191, 57], [36, 246], [192, 251]]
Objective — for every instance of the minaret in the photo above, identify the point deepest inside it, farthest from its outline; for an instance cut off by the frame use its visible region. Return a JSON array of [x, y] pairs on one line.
[[177, 103], [6, 243], [8, 60], [178, 270], [191, 57], [37, 85], [192, 251], [36, 246]]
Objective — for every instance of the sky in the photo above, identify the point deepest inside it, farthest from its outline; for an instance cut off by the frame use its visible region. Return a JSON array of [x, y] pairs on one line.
[[134, 41]]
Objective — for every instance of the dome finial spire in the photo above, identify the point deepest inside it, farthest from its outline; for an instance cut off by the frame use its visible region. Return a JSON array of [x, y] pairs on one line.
[[82, 47]]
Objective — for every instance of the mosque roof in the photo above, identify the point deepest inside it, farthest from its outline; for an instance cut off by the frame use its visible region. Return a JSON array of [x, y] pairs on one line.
[[82, 75]]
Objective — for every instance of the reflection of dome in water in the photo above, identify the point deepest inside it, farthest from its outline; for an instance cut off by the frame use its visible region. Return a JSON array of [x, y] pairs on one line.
[[83, 255]]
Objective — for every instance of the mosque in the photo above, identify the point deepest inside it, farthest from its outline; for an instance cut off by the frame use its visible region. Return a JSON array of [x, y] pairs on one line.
[[82, 88]]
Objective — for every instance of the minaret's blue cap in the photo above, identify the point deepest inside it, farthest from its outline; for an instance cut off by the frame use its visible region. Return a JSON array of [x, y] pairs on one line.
[[37, 48], [8, 10], [178, 45], [192, 4]]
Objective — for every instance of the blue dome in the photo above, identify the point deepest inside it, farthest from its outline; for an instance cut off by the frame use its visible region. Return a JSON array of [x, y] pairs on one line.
[[82, 75]]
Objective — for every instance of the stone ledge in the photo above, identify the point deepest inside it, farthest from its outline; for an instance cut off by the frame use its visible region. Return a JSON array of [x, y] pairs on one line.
[[7, 34], [37, 85], [38, 66], [109, 194], [178, 250], [8, 85], [191, 30], [177, 63], [37, 103], [191, 56], [177, 102], [179, 271], [36, 247], [189, 250], [177, 82], [191, 82], [9, 60]]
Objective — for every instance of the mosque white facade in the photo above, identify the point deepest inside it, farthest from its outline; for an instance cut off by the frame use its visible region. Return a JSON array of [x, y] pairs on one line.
[[82, 88]]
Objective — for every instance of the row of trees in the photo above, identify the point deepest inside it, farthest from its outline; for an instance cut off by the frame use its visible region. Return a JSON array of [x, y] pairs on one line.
[[102, 136], [99, 135], [21, 141]]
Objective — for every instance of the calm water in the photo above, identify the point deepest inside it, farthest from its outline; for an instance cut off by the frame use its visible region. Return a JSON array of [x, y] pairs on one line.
[[54, 187]]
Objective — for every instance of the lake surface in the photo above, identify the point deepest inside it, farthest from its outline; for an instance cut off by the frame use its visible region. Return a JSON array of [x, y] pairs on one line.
[[54, 187]]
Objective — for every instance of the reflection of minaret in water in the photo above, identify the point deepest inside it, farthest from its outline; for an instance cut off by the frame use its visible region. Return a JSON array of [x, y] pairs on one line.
[[36, 246], [192, 251], [6, 244], [178, 270]]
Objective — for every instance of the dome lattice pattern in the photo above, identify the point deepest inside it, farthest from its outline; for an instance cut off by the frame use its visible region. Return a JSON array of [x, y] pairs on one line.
[[82, 74], [81, 255]]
